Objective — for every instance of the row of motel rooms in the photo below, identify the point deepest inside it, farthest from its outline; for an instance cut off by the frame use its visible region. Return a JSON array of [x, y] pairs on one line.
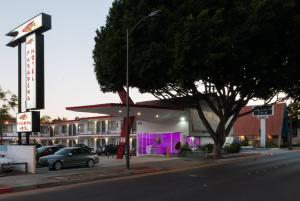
[[157, 128]]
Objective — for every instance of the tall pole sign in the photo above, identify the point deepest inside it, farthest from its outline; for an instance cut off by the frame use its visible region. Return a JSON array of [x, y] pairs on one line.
[[263, 113], [30, 33]]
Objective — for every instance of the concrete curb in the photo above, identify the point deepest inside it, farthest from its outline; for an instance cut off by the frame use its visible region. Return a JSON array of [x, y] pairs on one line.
[[5, 189], [146, 171]]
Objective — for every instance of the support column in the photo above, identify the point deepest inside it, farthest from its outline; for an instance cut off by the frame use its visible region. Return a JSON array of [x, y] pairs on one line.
[[27, 138], [19, 86], [263, 132]]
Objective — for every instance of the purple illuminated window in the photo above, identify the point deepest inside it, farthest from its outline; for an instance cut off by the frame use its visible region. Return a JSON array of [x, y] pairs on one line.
[[158, 143], [193, 142]]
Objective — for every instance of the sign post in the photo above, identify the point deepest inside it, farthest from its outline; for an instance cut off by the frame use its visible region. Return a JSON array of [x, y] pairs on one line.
[[30, 33], [263, 113]]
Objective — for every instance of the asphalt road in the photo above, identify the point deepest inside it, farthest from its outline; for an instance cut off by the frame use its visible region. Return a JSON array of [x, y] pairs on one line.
[[271, 178]]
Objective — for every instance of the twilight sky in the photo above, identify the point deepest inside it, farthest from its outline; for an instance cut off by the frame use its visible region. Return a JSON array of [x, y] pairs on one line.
[[69, 71]]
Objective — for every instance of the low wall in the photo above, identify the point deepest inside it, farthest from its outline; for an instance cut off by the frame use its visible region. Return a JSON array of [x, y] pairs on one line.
[[21, 153]]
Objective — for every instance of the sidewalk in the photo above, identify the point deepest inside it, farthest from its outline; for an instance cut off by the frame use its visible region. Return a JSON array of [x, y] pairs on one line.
[[110, 168]]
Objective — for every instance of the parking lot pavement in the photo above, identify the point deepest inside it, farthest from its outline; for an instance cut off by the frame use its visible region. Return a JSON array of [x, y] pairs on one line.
[[107, 168], [107, 162]]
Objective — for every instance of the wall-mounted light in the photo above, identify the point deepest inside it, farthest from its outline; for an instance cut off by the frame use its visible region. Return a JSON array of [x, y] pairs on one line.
[[182, 118], [120, 111], [157, 116], [139, 114], [106, 121]]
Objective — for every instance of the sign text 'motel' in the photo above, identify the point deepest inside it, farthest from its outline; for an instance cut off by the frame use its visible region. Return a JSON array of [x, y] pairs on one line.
[[30, 33], [28, 122]]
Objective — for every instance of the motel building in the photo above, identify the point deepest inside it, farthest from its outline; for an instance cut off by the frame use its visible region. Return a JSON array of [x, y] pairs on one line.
[[157, 128], [248, 128]]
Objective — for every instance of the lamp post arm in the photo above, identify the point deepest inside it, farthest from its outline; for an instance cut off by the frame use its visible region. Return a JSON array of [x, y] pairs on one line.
[[137, 24]]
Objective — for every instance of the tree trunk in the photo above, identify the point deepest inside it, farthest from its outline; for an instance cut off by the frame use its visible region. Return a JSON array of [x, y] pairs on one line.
[[218, 150], [218, 146]]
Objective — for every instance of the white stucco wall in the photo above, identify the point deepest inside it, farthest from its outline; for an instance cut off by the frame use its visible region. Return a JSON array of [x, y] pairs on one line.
[[21, 153], [206, 140], [172, 125]]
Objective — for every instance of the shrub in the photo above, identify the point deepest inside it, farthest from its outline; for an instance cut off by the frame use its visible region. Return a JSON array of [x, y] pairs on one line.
[[178, 146], [234, 147], [185, 149], [271, 145], [207, 148]]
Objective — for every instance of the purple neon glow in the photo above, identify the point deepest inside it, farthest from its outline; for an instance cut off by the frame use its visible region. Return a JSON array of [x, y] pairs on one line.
[[193, 142], [158, 143]]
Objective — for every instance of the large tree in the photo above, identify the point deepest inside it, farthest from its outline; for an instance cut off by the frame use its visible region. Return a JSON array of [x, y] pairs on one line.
[[224, 53], [8, 102], [294, 115]]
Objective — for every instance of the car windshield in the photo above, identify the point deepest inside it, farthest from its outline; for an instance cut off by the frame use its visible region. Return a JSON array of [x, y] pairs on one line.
[[62, 152], [41, 149]]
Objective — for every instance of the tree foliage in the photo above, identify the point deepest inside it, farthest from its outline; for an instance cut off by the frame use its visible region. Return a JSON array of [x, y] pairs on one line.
[[224, 53], [8, 102], [59, 119], [46, 119], [294, 115]]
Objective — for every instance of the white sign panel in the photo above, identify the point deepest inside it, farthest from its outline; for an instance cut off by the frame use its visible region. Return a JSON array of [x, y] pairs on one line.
[[26, 28], [24, 122], [30, 71]]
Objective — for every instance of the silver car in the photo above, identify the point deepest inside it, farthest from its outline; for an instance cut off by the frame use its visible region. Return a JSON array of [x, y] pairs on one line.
[[68, 157]]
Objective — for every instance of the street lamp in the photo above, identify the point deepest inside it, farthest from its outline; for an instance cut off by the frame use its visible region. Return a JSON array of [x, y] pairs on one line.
[[128, 32]]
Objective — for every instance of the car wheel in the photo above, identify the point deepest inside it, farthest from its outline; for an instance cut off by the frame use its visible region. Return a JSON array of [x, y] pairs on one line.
[[57, 165], [90, 163]]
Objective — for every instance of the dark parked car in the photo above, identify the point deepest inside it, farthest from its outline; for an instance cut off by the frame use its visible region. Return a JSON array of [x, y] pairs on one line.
[[110, 149], [37, 145], [47, 150], [90, 149], [67, 157]]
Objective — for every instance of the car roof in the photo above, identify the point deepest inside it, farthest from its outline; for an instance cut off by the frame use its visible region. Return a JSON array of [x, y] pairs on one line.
[[49, 146], [72, 148]]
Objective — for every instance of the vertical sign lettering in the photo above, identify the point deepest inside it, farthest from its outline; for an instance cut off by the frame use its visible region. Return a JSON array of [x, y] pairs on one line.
[[30, 69]]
